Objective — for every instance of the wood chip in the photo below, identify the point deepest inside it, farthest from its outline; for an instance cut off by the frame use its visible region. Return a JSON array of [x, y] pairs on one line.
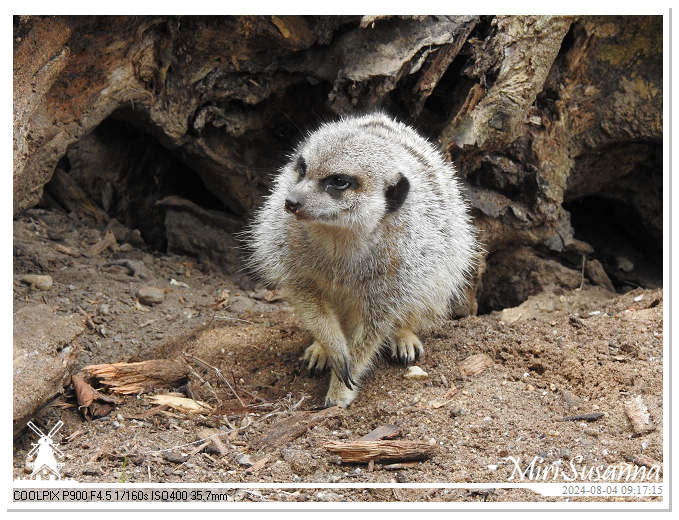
[[639, 417], [38, 281], [84, 392], [67, 250], [288, 429], [140, 377], [584, 417], [474, 365], [258, 465], [181, 404], [109, 241], [90, 401], [399, 465], [381, 451]]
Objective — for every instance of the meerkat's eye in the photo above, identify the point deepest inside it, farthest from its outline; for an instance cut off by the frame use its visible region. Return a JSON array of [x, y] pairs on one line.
[[339, 182], [301, 167]]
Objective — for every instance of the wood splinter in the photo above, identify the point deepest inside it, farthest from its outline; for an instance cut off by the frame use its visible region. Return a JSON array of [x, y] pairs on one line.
[[136, 378], [381, 450]]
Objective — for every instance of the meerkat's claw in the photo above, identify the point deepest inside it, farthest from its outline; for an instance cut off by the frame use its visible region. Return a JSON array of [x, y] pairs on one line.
[[341, 369], [317, 358], [406, 347]]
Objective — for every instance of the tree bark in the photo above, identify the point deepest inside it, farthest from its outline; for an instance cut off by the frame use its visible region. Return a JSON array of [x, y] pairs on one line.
[[539, 113]]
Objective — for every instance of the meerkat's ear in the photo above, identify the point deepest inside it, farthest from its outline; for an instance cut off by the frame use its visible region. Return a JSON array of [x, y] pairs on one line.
[[396, 193]]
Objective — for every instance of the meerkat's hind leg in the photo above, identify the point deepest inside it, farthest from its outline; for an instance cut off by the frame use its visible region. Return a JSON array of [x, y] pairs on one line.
[[316, 357], [405, 346]]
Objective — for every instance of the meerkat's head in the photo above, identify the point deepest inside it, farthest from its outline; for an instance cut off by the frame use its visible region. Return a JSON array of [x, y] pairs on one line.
[[346, 176]]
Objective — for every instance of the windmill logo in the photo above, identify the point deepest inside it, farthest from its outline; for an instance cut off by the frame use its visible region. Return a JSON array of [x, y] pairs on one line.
[[45, 462]]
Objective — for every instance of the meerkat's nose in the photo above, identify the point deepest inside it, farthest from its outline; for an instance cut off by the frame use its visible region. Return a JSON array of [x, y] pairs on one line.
[[292, 204]]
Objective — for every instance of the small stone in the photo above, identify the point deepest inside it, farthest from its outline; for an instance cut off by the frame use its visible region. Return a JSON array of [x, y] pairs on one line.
[[244, 459], [637, 411], [474, 365], [625, 264], [174, 458], [456, 412], [148, 295], [415, 372], [595, 272], [105, 309], [39, 281], [492, 467]]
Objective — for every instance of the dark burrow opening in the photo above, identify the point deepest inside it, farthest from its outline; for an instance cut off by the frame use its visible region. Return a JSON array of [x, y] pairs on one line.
[[125, 172], [630, 251], [190, 199]]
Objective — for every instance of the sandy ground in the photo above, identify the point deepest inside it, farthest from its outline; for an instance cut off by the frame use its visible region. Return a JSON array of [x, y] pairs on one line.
[[558, 355]]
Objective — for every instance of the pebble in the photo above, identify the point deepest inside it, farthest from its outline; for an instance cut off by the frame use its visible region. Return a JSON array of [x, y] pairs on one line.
[[625, 264], [174, 458], [39, 281], [105, 309], [455, 412], [415, 372], [148, 295], [244, 459]]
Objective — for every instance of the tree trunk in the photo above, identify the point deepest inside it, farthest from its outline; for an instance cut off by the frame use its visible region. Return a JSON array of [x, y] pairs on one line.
[[555, 124]]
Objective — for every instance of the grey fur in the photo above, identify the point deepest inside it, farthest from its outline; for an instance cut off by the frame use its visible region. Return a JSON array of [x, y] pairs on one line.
[[357, 273]]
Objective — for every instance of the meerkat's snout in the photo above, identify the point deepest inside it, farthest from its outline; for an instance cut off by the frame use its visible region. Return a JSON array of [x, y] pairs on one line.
[[292, 204]]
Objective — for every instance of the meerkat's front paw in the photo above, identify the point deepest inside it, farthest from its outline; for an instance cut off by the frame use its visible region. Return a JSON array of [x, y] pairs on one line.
[[406, 347], [317, 358], [338, 393]]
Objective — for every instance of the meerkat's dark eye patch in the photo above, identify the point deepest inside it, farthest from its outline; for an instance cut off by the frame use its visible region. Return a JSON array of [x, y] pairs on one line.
[[301, 166], [339, 182]]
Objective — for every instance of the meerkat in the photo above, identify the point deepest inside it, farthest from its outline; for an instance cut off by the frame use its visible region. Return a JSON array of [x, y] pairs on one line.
[[368, 237]]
